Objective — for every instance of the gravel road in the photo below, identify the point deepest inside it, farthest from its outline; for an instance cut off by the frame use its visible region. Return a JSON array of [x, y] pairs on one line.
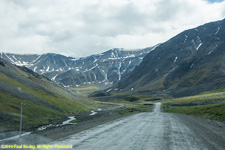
[[150, 131]]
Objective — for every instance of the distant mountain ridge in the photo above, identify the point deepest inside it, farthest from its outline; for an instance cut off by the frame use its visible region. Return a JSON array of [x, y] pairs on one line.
[[187, 64], [105, 68]]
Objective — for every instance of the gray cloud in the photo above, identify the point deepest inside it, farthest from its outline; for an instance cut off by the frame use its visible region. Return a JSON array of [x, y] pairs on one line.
[[82, 27]]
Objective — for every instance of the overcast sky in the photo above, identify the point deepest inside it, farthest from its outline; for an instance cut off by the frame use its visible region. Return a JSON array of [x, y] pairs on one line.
[[84, 27]]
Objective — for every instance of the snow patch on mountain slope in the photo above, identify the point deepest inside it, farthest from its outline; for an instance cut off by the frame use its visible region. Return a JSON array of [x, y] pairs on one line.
[[199, 46], [218, 29], [35, 69], [119, 72], [185, 38], [175, 60], [53, 79], [210, 52]]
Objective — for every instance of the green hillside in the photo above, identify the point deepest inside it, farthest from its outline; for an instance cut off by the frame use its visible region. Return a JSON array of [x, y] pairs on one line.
[[45, 101], [210, 105]]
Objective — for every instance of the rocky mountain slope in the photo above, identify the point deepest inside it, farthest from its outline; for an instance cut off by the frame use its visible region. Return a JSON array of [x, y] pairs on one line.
[[45, 101], [105, 68], [187, 64]]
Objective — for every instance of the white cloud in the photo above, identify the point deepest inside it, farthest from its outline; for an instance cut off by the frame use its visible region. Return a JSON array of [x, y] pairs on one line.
[[84, 27]]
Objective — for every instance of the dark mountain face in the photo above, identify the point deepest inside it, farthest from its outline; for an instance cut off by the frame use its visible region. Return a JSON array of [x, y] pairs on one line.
[[189, 63], [105, 68]]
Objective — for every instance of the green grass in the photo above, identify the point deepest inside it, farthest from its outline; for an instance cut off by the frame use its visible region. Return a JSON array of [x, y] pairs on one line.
[[35, 114], [134, 108], [148, 98], [69, 106], [85, 89], [74, 121], [206, 97], [64, 103], [210, 111], [139, 99], [213, 111]]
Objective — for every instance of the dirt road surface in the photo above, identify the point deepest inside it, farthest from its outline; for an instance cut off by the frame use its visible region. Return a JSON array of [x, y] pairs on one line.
[[150, 131]]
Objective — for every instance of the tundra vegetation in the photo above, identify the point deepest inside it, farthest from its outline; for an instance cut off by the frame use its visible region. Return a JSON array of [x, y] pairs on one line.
[[209, 105]]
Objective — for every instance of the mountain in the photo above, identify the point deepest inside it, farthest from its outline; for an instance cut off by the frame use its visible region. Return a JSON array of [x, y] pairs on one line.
[[187, 64], [45, 100], [105, 68]]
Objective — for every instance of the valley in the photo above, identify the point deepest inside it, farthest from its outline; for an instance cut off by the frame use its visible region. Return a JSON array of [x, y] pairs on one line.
[[169, 96]]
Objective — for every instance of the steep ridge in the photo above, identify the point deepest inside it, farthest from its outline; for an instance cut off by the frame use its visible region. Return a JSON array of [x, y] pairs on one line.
[[187, 64], [45, 101], [105, 68]]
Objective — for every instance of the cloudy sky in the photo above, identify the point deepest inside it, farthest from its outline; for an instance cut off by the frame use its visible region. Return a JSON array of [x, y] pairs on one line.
[[83, 27]]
